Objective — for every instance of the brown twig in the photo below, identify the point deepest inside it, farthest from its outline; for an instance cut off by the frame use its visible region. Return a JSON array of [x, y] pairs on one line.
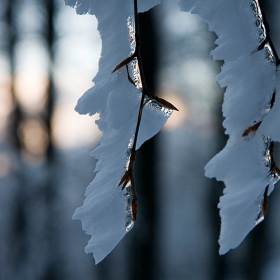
[[128, 177]]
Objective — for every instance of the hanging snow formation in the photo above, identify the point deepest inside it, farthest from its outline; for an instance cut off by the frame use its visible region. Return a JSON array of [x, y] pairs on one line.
[[251, 110], [107, 213]]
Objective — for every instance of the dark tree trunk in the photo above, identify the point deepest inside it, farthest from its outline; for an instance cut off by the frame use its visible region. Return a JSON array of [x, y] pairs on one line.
[[143, 260], [19, 225]]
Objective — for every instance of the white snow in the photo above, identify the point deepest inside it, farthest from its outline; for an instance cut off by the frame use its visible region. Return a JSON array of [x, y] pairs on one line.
[[250, 77], [104, 214]]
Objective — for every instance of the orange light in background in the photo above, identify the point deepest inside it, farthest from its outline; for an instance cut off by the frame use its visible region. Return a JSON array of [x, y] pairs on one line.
[[34, 137], [30, 90], [5, 164], [5, 102], [178, 118], [72, 130], [77, 54], [31, 75]]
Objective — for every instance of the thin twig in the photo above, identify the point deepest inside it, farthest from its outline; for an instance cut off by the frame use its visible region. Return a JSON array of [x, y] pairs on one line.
[[268, 38], [141, 70]]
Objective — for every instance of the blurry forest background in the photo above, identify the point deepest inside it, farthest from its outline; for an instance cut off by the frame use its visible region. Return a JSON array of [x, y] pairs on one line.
[[48, 57]]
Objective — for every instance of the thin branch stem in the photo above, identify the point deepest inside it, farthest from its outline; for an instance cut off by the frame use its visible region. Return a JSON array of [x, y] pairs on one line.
[[128, 176], [268, 38], [142, 76]]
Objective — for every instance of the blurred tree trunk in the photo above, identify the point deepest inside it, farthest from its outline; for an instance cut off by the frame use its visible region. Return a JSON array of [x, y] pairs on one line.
[[33, 234], [143, 255], [18, 223], [54, 266], [215, 191], [10, 50]]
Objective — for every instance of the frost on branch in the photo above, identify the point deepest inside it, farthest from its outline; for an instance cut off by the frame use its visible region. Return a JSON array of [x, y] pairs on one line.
[[109, 210], [251, 110]]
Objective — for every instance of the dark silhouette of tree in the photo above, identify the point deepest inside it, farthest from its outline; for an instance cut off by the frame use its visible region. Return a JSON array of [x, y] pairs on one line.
[[143, 247]]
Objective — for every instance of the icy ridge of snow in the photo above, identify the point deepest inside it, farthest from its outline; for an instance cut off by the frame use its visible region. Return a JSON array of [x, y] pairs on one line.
[[106, 209], [250, 77]]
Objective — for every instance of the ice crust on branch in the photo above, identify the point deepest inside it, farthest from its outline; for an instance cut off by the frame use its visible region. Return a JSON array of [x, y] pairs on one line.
[[106, 214], [250, 76]]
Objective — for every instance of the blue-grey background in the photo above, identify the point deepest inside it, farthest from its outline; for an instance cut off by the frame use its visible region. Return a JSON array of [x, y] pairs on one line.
[[48, 56]]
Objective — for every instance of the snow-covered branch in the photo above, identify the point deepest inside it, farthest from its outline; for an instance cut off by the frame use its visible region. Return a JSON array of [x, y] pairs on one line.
[[251, 109], [128, 116]]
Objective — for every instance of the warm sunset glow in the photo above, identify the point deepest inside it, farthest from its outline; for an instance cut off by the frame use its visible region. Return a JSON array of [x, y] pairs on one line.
[[177, 119], [71, 129], [5, 101], [34, 138], [30, 90], [5, 164]]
